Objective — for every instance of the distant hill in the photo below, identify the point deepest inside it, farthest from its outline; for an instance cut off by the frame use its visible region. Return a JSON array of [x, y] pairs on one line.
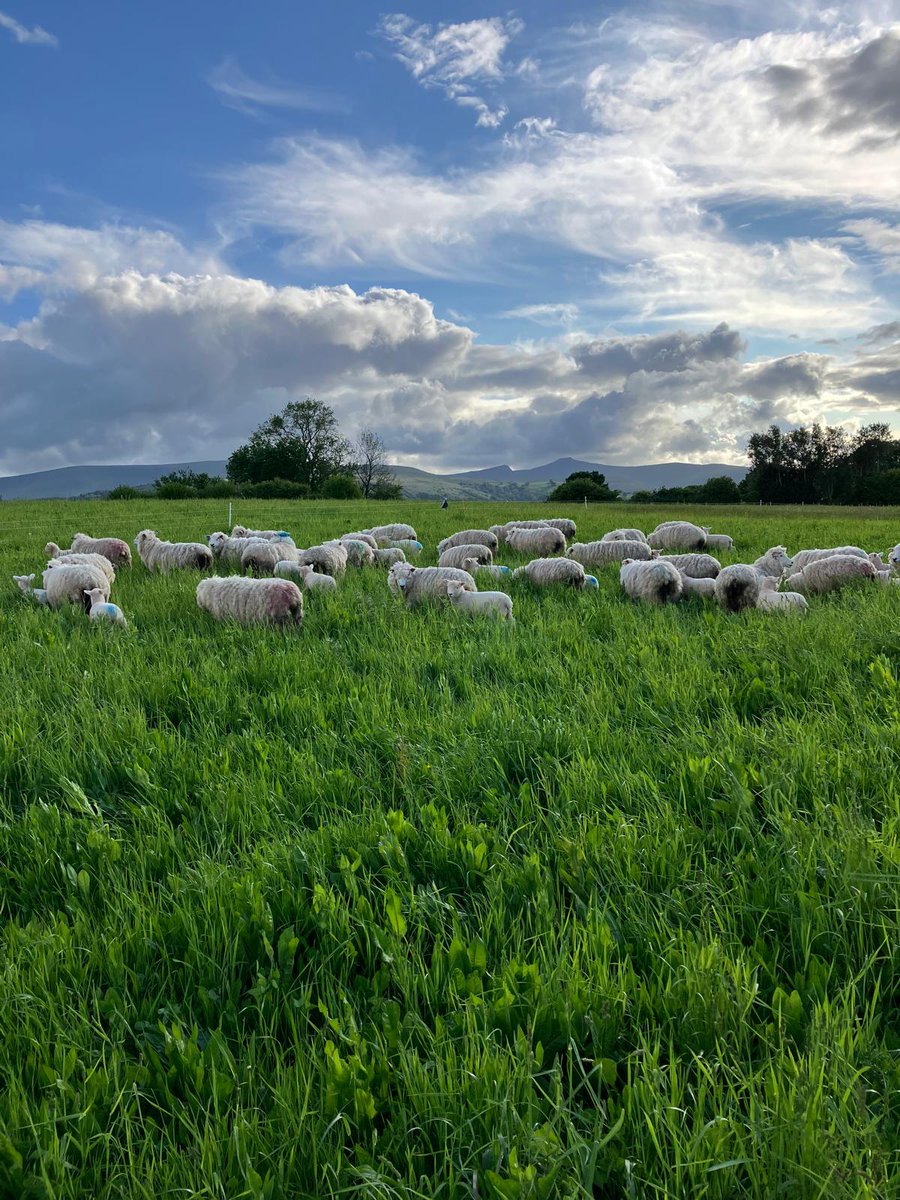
[[67, 482], [626, 479]]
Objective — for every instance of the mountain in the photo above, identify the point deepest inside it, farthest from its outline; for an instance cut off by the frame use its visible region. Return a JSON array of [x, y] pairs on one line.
[[626, 479], [67, 482]]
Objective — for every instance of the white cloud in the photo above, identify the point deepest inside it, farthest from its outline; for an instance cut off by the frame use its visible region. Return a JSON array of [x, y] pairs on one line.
[[879, 237], [238, 90], [25, 36]]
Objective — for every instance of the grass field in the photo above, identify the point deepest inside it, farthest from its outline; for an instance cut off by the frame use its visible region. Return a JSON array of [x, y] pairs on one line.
[[601, 904]]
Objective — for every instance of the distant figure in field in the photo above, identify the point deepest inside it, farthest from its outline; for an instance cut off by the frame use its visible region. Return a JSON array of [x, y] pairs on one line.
[[445, 503]]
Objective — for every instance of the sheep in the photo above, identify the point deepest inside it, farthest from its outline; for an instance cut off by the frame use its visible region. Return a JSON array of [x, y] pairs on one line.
[[468, 537], [738, 587], [568, 527], [268, 535], [260, 556], [474, 567], [157, 555], [878, 562], [803, 558], [655, 582], [894, 556], [101, 610], [495, 604], [100, 561], [359, 554], [677, 535], [828, 574], [705, 587], [393, 532], [697, 566], [304, 576], [328, 560], [717, 541], [69, 583], [251, 601], [624, 535], [407, 545], [501, 532], [26, 587], [771, 600], [359, 537], [601, 553], [229, 550], [117, 551], [456, 556], [775, 562], [543, 572], [543, 541], [417, 584], [389, 556]]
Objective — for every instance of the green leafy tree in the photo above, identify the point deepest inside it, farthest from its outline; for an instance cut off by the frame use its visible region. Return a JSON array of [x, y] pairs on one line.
[[302, 443], [124, 492], [581, 485], [341, 487]]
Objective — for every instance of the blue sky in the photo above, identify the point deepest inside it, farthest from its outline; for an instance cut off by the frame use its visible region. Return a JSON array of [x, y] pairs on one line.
[[629, 233]]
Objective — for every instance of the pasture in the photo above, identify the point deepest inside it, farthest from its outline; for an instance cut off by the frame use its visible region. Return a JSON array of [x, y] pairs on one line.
[[601, 904]]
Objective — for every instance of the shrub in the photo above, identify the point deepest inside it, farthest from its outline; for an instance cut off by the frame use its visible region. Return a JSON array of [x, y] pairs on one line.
[[124, 492], [275, 489], [341, 487]]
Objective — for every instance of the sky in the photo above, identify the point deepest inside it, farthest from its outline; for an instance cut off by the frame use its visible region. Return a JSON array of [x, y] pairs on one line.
[[625, 233]]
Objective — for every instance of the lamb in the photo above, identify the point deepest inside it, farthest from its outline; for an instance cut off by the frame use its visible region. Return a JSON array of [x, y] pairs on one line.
[[456, 556], [775, 562], [27, 588], [69, 583], [829, 574], [624, 535], [543, 541], [495, 604], [878, 562], [63, 558], [804, 557], [771, 600], [677, 535], [268, 535], [468, 537], [328, 560], [117, 551], [568, 527], [705, 587], [251, 601], [697, 566], [738, 587], [157, 555], [417, 584], [102, 610], [543, 572], [393, 532], [305, 576], [474, 567], [655, 582], [389, 556], [602, 553], [717, 541]]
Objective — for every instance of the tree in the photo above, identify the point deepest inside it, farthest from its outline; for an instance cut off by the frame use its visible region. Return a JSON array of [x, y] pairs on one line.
[[370, 469], [124, 491], [584, 485], [341, 487], [720, 489], [302, 443]]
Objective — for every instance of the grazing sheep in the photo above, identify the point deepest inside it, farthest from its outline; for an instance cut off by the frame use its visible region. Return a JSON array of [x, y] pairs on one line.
[[829, 574], [117, 551], [771, 600], [543, 572], [359, 537], [69, 583], [501, 532], [251, 601], [389, 556], [305, 576], [157, 555], [704, 586], [101, 610], [474, 567], [738, 587], [455, 556], [93, 560], [416, 584], [494, 604], [894, 556], [601, 554], [229, 550], [407, 545], [624, 535], [26, 587], [803, 558], [469, 537], [393, 532], [260, 557], [655, 582], [697, 566], [677, 535], [567, 526], [775, 562], [542, 540], [268, 535], [359, 554], [878, 562], [327, 560], [717, 541]]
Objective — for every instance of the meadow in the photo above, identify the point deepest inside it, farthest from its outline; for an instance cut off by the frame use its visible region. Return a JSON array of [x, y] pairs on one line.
[[602, 904]]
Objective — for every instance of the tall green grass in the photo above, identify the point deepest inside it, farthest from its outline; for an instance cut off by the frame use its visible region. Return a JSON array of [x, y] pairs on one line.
[[602, 904]]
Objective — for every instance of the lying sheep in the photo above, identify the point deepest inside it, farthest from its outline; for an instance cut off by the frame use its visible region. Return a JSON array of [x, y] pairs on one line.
[[469, 537], [567, 526], [624, 535], [417, 584], [63, 558], [544, 572], [26, 587], [117, 551], [771, 600], [389, 556], [803, 558], [305, 576], [157, 555], [542, 540], [474, 567], [677, 535], [717, 541], [251, 601], [69, 583], [655, 582], [455, 556], [829, 574], [600, 554], [102, 610], [704, 586], [268, 535], [393, 532], [738, 587], [697, 566], [494, 604], [327, 560], [775, 562]]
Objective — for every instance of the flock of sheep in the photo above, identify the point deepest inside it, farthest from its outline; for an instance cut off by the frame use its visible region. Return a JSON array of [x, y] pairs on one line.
[[669, 564]]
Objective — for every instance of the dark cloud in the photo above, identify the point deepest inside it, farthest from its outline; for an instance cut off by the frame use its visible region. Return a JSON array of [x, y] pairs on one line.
[[608, 360], [795, 375]]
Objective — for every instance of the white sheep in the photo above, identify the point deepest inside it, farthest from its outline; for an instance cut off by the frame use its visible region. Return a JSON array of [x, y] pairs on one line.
[[543, 541], [268, 535], [894, 556], [738, 587], [717, 541], [495, 570], [230, 550], [878, 562], [624, 535], [261, 556], [393, 532], [26, 586], [359, 554], [389, 556], [469, 537], [305, 576], [771, 600], [501, 531], [63, 558], [417, 584], [775, 562], [101, 610], [117, 551], [407, 545], [251, 601], [157, 555], [495, 604], [544, 572], [359, 537], [829, 574], [600, 554], [655, 582], [803, 558], [697, 566], [704, 586], [677, 535], [565, 524], [455, 556], [67, 584], [327, 560]]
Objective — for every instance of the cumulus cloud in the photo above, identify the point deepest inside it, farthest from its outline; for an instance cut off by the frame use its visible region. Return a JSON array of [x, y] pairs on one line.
[[237, 89], [25, 36]]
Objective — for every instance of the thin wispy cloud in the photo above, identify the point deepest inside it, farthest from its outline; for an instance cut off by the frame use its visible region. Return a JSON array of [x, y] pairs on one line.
[[239, 90], [25, 36]]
